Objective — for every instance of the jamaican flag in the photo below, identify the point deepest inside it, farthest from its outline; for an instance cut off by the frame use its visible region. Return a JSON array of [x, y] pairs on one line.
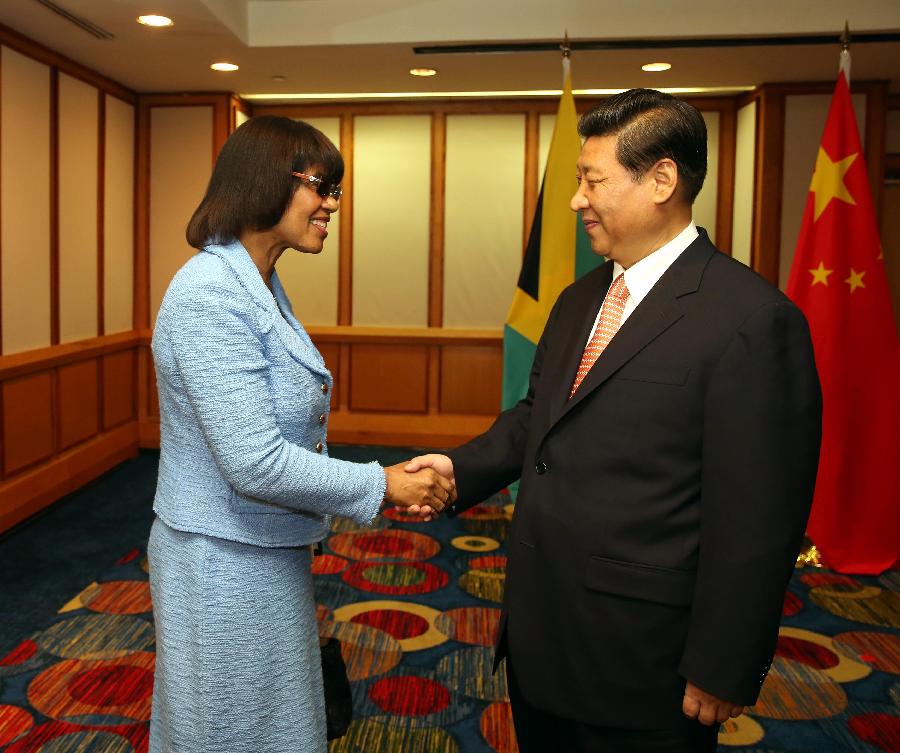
[[558, 251]]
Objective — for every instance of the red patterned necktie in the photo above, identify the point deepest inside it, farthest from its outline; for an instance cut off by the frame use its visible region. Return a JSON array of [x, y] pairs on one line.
[[610, 320]]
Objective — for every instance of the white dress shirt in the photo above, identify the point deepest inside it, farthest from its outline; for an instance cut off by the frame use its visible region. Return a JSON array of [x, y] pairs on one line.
[[642, 276]]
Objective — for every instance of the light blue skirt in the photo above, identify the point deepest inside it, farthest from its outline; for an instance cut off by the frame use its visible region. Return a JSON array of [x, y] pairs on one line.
[[238, 664]]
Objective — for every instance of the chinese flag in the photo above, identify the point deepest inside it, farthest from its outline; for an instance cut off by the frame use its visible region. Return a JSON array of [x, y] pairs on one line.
[[838, 279]]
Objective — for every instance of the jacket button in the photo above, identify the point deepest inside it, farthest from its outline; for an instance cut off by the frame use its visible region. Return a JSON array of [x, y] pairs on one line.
[[319, 447], [324, 388], [540, 468], [322, 420]]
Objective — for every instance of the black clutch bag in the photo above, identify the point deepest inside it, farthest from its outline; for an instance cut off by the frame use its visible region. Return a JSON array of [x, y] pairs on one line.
[[338, 699]]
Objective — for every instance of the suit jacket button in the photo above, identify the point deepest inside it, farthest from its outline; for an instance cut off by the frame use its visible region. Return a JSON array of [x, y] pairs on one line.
[[324, 388], [319, 447], [540, 468], [322, 420]]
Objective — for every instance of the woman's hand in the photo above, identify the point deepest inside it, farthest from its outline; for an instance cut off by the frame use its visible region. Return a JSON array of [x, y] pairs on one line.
[[427, 491]]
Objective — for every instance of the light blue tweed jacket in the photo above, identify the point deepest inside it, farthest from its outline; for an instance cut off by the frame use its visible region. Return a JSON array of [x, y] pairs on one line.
[[244, 401]]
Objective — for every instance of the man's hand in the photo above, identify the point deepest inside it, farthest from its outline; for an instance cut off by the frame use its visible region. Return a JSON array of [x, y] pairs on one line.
[[706, 708], [422, 493], [444, 466]]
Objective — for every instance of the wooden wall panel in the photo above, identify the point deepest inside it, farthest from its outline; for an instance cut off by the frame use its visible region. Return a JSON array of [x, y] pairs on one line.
[[25, 217], [392, 159], [27, 421], [119, 393], [78, 226], [181, 142], [118, 217], [742, 207], [52, 159], [482, 238], [471, 379], [706, 204], [77, 395], [389, 378]]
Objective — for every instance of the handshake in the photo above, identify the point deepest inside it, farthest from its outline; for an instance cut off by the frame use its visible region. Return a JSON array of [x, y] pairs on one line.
[[422, 486]]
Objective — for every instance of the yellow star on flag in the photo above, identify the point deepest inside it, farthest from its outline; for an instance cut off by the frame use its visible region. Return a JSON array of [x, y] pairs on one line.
[[828, 181], [820, 274], [855, 280]]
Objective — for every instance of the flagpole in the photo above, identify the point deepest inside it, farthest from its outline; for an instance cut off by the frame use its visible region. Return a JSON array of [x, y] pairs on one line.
[[809, 554], [844, 66]]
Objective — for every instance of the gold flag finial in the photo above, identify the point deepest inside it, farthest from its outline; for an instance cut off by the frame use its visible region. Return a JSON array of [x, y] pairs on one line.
[[566, 49], [845, 38], [809, 555]]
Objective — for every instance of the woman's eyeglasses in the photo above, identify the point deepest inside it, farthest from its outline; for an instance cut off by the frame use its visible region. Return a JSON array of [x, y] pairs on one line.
[[319, 185]]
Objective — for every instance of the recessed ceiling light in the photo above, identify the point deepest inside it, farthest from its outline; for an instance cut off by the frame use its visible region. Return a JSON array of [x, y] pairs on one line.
[[422, 72], [155, 21], [655, 67], [224, 67]]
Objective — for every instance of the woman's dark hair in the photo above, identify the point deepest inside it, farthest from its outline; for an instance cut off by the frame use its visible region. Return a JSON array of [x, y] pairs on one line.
[[650, 126], [251, 185]]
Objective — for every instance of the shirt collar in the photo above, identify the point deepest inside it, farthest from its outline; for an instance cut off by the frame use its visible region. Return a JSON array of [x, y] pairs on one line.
[[642, 276]]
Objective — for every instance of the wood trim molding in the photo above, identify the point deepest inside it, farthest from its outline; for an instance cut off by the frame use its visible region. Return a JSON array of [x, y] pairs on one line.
[[725, 196], [875, 142], [436, 220], [1, 256], [185, 99], [538, 105], [345, 249], [861, 86], [405, 335], [42, 359], [742, 100], [236, 104], [101, 213], [141, 293], [768, 184], [28, 492], [222, 116], [393, 429], [419, 107], [405, 429], [54, 206], [339, 335], [35, 50]]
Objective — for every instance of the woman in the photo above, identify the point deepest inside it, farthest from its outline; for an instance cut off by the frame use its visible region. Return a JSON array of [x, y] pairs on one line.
[[245, 482]]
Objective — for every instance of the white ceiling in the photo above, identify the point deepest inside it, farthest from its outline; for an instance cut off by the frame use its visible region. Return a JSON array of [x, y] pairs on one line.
[[366, 46]]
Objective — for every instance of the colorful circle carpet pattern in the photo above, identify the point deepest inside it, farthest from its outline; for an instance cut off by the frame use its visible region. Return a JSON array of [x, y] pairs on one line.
[[416, 607]]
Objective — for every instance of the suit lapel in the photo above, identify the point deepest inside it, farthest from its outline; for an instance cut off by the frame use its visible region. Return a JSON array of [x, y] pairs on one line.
[[292, 332], [659, 310], [574, 332], [292, 335]]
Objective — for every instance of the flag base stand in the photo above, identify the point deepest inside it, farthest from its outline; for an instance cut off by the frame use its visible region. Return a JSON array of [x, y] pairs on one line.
[[809, 555]]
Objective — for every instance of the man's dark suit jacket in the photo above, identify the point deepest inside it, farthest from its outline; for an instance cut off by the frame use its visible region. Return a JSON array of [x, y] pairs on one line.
[[661, 509]]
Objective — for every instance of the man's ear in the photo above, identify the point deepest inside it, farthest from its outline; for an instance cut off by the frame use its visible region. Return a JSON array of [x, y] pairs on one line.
[[665, 180]]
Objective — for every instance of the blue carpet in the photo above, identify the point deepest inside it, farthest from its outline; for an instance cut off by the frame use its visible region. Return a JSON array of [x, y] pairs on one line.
[[416, 606]]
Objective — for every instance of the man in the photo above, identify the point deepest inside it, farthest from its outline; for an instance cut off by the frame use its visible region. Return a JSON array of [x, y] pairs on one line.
[[667, 449]]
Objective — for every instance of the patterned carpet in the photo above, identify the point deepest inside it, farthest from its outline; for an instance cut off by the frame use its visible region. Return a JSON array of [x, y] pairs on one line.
[[416, 606]]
